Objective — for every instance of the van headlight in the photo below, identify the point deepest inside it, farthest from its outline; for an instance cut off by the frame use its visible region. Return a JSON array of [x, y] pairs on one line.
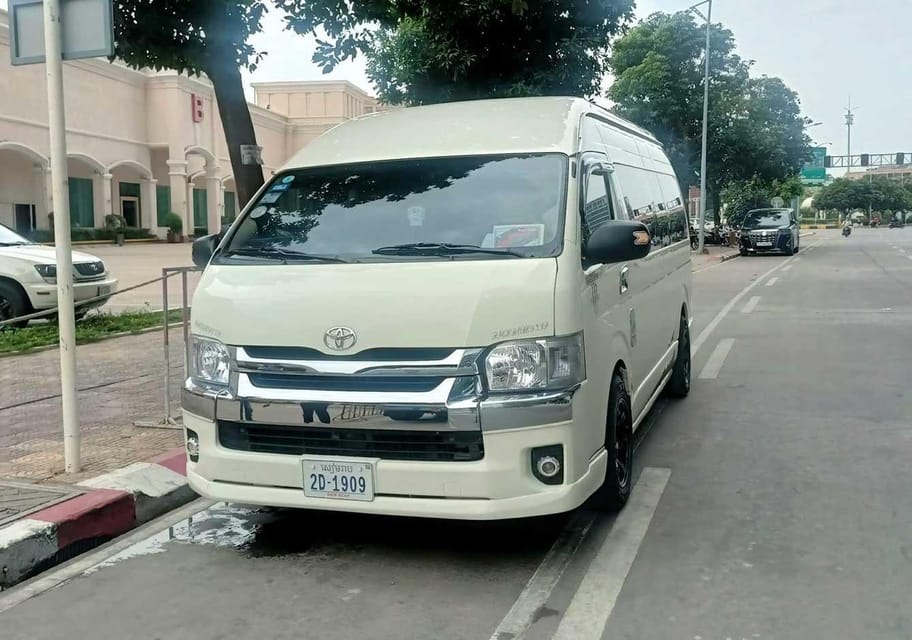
[[209, 361], [550, 363], [48, 272]]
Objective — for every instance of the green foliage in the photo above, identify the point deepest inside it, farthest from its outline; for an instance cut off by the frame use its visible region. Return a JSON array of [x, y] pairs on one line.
[[174, 223], [880, 193], [755, 124], [87, 234], [742, 196], [430, 51], [91, 329]]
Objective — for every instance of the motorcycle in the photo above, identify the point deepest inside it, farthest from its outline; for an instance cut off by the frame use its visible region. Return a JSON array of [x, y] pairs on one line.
[[846, 231]]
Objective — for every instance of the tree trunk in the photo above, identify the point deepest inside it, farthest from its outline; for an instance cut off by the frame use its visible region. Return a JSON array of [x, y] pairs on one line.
[[717, 206], [236, 122]]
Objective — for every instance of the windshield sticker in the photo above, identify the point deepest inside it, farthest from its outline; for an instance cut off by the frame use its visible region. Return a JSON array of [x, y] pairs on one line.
[[280, 186], [416, 216], [270, 198], [519, 235], [288, 179], [259, 212]]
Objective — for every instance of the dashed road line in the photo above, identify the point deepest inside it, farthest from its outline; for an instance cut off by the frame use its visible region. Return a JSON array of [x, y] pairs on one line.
[[594, 600], [751, 304], [717, 359], [772, 281], [786, 268]]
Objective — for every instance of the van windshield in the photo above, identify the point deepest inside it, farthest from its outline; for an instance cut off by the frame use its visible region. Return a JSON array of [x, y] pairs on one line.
[[435, 208], [766, 218]]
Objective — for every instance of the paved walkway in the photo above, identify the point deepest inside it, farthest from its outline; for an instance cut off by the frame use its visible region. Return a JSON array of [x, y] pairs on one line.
[[120, 381]]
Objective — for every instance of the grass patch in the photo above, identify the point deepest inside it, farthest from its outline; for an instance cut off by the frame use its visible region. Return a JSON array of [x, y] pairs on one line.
[[90, 329]]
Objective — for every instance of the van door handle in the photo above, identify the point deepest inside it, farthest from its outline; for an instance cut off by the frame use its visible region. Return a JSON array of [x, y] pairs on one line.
[[624, 286]]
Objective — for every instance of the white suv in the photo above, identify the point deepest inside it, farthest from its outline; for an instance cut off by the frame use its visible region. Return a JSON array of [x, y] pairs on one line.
[[28, 278]]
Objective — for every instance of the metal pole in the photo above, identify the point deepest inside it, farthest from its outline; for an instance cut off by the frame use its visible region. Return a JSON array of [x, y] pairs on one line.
[[702, 230], [185, 320], [167, 346], [66, 314]]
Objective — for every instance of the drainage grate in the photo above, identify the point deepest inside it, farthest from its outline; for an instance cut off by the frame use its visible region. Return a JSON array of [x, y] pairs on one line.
[[19, 499]]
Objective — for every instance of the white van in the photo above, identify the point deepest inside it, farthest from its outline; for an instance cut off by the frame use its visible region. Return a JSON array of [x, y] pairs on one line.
[[459, 311]]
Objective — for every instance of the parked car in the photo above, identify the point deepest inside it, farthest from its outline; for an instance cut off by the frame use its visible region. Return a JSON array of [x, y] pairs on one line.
[[401, 272], [770, 231], [28, 278]]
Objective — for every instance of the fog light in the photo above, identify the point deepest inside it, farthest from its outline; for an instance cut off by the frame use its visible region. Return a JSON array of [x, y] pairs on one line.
[[193, 446], [548, 464]]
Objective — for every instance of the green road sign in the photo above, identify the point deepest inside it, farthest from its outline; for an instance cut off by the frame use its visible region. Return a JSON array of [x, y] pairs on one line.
[[814, 171]]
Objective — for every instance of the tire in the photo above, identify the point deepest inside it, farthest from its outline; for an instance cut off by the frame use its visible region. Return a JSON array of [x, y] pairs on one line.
[[744, 252], [13, 304], [679, 383], [615, 489]]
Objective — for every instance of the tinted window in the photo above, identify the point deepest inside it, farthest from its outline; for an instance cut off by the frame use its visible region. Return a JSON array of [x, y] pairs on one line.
[[348, 211], [767, 219]]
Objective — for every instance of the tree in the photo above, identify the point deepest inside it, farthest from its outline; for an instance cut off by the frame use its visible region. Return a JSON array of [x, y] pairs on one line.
[[196, 37], [430, 51], [742, 196], [755, 124], [878, 193]]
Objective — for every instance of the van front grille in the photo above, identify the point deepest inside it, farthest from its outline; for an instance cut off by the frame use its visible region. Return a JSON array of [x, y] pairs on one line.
[[426, 446], [364, 383]]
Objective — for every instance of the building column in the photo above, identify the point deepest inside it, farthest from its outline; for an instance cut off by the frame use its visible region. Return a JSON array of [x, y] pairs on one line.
[[213, 193], [42, 198], [149, 204], [103, 198], [177, 176]]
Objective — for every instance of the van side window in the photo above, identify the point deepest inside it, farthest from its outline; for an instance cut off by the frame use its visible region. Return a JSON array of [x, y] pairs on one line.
[[597, 206]]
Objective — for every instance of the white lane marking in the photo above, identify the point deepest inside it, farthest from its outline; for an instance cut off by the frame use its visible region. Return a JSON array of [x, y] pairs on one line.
[[786, 268], [591, 606], [542, 583], [717, 359], [724, 311], [751, 304], [772, 281]]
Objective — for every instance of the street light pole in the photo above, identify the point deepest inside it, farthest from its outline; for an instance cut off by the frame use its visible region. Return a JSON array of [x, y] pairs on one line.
[[702, 219]]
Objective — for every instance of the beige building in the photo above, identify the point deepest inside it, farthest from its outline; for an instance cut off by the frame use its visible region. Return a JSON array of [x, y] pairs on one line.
[[901, 172], [143, 143]]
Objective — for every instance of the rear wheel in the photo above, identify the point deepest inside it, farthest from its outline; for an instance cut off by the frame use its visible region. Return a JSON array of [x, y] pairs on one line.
[[679, 383], [13, 304], [615, 489]]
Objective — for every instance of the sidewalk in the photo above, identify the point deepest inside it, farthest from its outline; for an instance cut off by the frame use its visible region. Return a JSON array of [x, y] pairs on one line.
[[716, 253]]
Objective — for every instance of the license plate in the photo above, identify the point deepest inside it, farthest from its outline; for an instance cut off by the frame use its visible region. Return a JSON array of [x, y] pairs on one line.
[[338, 479], [764, 244]]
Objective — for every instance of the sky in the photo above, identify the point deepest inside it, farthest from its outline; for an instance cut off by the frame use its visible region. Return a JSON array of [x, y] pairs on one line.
[[826, 50]]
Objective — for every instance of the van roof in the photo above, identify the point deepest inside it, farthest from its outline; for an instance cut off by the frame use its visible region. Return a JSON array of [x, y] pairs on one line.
[[503, 126]]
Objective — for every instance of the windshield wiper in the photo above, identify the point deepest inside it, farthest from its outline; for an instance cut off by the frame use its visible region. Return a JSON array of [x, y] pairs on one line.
[[285, 255], [16, 244], [440, 249]]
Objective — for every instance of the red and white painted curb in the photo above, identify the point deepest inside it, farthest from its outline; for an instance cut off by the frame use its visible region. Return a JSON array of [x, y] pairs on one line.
[[111, 504]]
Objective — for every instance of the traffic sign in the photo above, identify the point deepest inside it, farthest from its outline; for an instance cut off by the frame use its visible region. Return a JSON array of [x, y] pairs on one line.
[[87, 30], [814, 171]]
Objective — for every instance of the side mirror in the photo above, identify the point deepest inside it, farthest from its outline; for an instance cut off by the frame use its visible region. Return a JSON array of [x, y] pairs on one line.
[[203, 248], [619, 241]]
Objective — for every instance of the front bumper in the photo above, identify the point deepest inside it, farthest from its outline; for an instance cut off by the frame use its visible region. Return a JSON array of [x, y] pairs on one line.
[[44, 295], [756, 243], [500, 484]]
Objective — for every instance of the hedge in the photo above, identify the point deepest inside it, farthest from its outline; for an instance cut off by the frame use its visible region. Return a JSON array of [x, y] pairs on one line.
[[82, 234]]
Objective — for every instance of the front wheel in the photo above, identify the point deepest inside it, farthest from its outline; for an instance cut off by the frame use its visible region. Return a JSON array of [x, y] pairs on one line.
[[679, 383], [13, 304], [615, 490]]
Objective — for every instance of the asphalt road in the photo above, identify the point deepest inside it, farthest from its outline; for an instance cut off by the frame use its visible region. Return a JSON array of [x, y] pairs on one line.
[[775, 502]]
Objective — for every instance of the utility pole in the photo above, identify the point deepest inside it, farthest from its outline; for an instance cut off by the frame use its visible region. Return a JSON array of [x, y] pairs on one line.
[[702, 220], [850, 120]]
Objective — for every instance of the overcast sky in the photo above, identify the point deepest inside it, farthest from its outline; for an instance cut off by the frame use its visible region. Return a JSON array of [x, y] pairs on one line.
[[823, 49]]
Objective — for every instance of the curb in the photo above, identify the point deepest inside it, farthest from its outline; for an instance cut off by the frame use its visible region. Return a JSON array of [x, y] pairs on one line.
[[725, 257], [112, 504]]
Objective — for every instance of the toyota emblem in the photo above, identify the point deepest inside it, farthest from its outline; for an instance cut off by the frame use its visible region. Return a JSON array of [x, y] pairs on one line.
[[340, 338]]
